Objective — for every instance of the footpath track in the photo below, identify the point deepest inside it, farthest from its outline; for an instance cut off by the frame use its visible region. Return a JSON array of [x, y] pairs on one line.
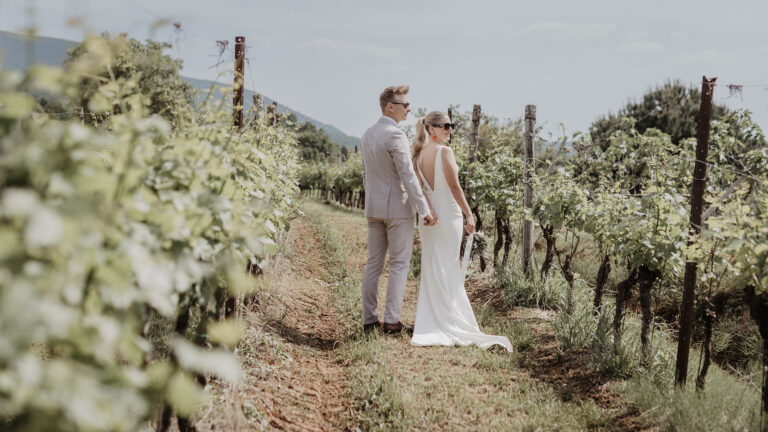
[[293, 379], [307, 369]]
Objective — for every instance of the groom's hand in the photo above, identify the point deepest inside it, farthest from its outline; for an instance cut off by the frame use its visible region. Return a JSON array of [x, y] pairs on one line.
[[430, 219]]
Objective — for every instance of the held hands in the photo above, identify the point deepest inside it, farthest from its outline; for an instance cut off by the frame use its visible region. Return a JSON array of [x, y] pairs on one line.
[[430, 219], [469, 227]]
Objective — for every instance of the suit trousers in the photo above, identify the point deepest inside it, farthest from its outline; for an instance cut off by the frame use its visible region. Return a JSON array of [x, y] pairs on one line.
[[395, 235]]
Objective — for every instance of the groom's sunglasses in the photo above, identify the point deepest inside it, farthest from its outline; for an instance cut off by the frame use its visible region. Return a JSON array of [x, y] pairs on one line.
[[404, 104], [446, 126]]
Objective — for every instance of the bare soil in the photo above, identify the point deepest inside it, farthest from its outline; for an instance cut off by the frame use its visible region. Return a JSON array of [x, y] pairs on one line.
[[293, 380]]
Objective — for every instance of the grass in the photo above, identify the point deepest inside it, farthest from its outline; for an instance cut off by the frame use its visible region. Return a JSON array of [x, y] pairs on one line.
[[577, 328], [346, 284], [519, 290], [380, 403], [396, 386], [727, 402], [730, 400], [736, 341]]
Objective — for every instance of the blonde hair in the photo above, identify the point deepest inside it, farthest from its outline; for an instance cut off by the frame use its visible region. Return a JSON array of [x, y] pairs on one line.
[[389, 93], [432, 119]]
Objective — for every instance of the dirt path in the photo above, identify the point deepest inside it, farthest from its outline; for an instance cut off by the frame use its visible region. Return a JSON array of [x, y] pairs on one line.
[[311, 330], [294, 380]]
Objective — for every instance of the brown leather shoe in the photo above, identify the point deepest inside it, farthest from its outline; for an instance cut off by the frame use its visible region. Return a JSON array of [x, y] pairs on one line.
[[396, 328], [372, 327]]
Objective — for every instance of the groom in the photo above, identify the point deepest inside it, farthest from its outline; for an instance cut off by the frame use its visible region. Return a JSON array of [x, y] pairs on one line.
[[391, 192]]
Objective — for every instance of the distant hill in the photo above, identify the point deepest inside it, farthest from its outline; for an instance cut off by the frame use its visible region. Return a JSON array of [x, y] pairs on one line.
[[334, 134], [16, 52]]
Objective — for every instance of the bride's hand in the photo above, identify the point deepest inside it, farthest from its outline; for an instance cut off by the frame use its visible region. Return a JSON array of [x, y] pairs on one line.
[[469, 227]]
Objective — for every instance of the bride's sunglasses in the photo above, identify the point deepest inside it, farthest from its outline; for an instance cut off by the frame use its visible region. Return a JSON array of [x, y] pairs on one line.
[[446, 126]]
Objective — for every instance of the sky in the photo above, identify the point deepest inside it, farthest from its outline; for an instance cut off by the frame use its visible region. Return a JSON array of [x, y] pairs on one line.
[[575, 60]]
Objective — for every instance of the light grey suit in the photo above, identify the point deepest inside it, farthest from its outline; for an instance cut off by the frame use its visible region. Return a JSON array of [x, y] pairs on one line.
[[391, 193]]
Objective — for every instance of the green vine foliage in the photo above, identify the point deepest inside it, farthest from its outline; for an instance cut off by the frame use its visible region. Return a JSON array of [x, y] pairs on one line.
[[633, 196], [734, 240], [561, 202], [743, 227], [345, 177], [498, 182], [316, 176], [638, 192], [646, 180], [104, 225], [350, 178]]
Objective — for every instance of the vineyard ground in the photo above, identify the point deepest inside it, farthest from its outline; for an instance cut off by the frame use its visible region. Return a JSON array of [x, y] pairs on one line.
[[293, 379], [307, 367]]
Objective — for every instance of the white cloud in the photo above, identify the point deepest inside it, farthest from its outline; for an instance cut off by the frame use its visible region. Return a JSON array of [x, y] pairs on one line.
[[641, 46], [545, 27], [639, 36], [705, 56], [266, 41], [389, 68], [338, 47], [571, 31], [640, 42], [677, 34]]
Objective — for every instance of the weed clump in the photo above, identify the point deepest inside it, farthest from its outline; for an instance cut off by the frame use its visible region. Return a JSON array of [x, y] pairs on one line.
[[520, 290]]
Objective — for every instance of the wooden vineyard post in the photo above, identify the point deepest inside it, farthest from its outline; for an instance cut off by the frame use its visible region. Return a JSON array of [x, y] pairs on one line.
[[80, 115], [258, 106], [697, 204], [275, 119], [270, 116], [473, 144], [530, 126], [237, 100], [472, 149]]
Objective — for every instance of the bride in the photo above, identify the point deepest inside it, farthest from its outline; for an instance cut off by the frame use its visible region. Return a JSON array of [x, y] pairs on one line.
[[443, 313]]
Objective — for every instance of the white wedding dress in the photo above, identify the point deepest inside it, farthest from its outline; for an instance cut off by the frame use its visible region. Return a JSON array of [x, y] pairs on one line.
[[443, 313]]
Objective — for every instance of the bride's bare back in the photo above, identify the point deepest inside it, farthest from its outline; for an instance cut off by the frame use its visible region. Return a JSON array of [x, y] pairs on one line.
[[426, 163]]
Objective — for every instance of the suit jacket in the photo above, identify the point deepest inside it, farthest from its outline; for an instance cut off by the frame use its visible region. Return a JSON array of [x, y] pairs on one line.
[[391, 187]]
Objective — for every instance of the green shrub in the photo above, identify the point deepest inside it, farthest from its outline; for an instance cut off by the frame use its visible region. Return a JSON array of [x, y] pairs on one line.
[[153, 74]]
